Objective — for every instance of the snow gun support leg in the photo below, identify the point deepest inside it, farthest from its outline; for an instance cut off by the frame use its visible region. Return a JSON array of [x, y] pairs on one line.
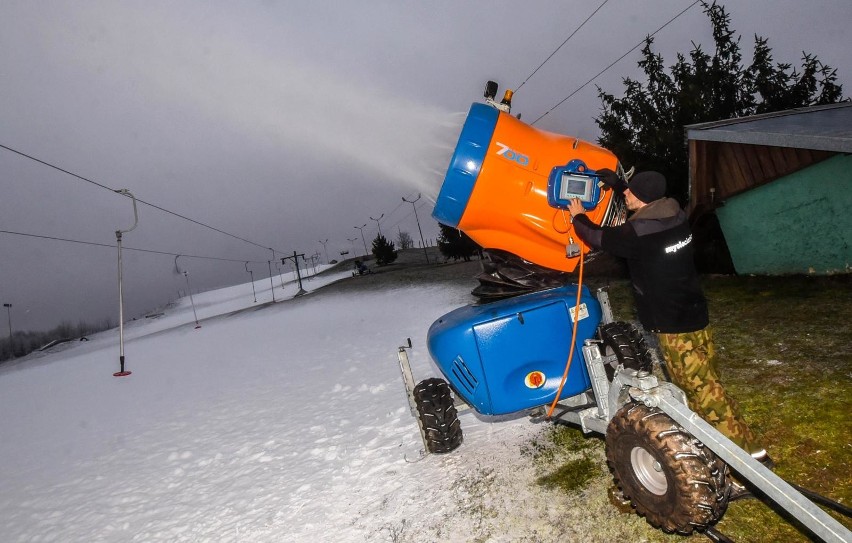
[[447, 442], [408, 381]]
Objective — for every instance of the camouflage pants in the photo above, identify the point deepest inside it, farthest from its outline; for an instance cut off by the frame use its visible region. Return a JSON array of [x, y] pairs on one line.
[[691, 362]]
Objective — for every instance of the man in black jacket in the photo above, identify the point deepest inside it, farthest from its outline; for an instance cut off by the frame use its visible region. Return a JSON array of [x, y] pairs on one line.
[[657, 244]]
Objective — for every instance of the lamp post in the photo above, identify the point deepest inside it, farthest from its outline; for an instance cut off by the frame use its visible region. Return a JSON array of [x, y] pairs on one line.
[[361, 228], [423, 243], [118, 234], [251, 274], [325, 249], [377, 223], [9, 314]]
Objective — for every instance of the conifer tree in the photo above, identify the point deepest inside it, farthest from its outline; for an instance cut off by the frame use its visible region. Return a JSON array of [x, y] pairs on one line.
[[455, 244], [383, 250], [645, 127]]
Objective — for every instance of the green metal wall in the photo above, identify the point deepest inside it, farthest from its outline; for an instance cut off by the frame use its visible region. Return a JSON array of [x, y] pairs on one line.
[[801, 223]]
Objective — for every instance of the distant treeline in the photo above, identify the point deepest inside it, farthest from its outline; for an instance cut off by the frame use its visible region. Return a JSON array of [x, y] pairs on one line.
[[24, 343]]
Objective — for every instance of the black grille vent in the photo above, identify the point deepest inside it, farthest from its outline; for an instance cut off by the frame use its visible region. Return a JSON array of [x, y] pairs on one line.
[[463, 375]]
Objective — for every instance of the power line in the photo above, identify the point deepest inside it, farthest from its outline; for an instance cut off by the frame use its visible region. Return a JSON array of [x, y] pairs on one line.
[[105, 187], [87, 180], [560, 47], [399, 205], [613, 63], [127, 248], [409, 214]]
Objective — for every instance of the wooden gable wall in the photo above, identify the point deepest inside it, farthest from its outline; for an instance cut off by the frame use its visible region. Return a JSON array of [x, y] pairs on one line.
[[732, 168]]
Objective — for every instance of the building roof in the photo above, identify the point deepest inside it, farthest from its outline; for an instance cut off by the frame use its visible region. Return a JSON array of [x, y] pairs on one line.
[[824, 128]]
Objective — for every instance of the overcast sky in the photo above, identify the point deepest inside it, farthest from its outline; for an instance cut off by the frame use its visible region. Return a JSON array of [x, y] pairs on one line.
[[287, 123]]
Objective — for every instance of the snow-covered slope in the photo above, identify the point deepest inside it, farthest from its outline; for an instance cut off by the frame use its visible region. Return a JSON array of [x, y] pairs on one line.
[[271, 422]]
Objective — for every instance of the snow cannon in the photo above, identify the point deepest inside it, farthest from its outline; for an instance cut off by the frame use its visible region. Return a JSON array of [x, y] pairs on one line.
[[508, 186]]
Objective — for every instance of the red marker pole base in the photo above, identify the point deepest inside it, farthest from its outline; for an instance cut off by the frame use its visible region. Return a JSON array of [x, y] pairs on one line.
[[121, 373]]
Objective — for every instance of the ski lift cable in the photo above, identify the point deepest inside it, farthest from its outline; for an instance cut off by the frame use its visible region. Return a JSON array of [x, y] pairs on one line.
[[94, 243], [560, 46], [72, 174], [613, 63]]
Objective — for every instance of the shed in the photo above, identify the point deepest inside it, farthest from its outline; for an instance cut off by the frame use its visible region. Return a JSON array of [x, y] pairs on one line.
[[781, 186]]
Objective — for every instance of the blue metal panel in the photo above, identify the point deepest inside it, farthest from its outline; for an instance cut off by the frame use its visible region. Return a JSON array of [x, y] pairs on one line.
[[465, 165], [486, 352]]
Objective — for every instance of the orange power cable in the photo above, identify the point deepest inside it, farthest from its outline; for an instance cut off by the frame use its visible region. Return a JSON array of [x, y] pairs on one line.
[[573, 335]]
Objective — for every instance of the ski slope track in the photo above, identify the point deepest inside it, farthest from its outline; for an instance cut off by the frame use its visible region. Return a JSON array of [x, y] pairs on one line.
[[280, 421]]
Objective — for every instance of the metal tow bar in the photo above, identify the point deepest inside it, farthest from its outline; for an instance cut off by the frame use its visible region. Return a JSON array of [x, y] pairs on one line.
[[779, 491]]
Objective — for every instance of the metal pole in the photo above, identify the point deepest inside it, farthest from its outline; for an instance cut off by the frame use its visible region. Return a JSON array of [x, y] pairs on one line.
[[325, 249], [361, 228], [122, 372], [418, 224], [11, 345], [281, 277], [298, 273], [352, 241], [377, 223], [295, 258], [191, 301], [269, 263], [252, 282], [278, 268]]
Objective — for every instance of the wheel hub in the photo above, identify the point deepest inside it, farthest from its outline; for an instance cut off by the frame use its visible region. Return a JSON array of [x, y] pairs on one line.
[[648, 471]]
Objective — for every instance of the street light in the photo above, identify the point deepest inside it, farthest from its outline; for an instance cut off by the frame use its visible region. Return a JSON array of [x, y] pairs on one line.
[[9, 314], [361, 228], [423, 243], [377, 222], [325, 249], [118, 234]]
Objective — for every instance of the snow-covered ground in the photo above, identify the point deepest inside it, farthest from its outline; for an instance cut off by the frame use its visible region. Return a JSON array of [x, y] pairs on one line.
[[272, 422]]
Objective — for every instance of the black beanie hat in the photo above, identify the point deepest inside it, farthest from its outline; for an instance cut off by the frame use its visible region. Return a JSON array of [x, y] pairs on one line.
[[648, 186]]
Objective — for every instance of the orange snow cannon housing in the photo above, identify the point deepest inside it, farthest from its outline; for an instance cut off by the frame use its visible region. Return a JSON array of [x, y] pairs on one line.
[[508, 187]]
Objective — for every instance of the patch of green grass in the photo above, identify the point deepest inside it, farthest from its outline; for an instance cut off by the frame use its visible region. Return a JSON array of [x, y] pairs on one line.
[[571, 476], [559, 440], [568, 459]]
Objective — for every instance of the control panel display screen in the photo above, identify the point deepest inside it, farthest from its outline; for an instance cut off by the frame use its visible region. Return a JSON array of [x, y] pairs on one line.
[[575, 186]]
